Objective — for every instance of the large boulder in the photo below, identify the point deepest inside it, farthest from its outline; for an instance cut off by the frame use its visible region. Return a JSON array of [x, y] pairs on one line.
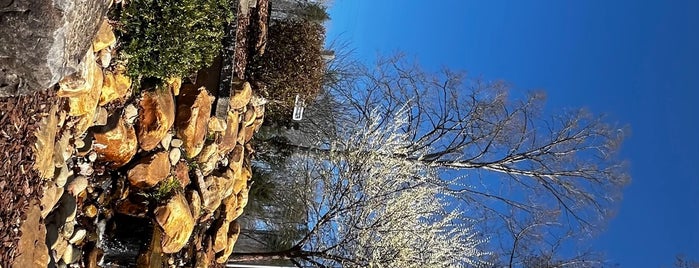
[[193, 111], [156, 117], [42, 41], [177, 222], [150, 170], [116, 143]]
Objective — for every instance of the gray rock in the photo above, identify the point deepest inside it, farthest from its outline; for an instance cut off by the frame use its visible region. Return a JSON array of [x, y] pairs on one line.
[[42, 41]]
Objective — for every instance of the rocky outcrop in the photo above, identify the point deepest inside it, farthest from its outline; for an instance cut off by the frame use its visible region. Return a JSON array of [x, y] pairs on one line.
[[177, 223], [42, 41]]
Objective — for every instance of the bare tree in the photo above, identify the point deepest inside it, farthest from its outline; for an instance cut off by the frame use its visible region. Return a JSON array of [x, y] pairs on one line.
[[501, 156], [367, 210]]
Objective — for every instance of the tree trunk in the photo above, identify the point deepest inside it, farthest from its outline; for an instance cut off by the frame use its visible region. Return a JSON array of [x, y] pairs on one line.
[[261, 256]]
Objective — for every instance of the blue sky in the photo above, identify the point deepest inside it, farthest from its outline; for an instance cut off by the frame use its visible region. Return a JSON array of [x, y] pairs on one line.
[[636, 61]]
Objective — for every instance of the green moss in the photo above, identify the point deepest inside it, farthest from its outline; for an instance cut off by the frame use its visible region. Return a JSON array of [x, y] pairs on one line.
[[164, 38]]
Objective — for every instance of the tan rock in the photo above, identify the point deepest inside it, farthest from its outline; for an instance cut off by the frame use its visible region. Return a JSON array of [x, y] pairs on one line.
[[221, 235], [233, 233], [116, 85], [31, 249], [156, 117], [83, 80], [78, 236], [104, 37], [249, 133], [194, 200], [84, 122], [105, 57], [77, 185], [52, 194], [116, 144], [235, 160], [182, 173], [174, 84], [101, 116], [242, 95], [216, 125], [243, 198], [60, 247], [175, 155], [211, 193], [177, 143], [193, 111], [249, 116], [132, 208], [177, 222], [165, 142], [71, 255], [130, 113], [230, 204], [44, 145], [208, 158], [85, 102], [62, 177], [153, 256], [150, 170], [90, 211], [229, 138]]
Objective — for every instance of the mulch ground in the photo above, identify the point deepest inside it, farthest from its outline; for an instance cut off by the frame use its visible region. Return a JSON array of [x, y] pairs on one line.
[[19, 183]]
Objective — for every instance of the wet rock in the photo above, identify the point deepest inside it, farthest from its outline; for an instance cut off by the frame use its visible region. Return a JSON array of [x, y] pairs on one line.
[[233, 233], [93, 257], [156, 117], [52, 194], [135, 208], [229, 138], [177, 222], [175, 155], [104, 37], [242, 95], [153, 256], [86, 168], [77, 185], [193, 110], [116, 144], [44, 41], [150, 170], [31, 248], [90, 211]]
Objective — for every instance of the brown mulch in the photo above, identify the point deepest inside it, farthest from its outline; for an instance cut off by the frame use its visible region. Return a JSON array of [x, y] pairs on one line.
[[19, 182]]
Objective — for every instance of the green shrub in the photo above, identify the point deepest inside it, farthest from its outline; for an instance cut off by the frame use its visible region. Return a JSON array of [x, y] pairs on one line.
[[292, 64], [163, 38]]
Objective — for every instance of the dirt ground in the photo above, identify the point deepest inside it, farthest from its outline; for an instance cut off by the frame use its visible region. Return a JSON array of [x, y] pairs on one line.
[[19, 183]]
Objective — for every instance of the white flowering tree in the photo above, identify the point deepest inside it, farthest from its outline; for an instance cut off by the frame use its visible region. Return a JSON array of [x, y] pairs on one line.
[[501, 157], [367, 210]]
